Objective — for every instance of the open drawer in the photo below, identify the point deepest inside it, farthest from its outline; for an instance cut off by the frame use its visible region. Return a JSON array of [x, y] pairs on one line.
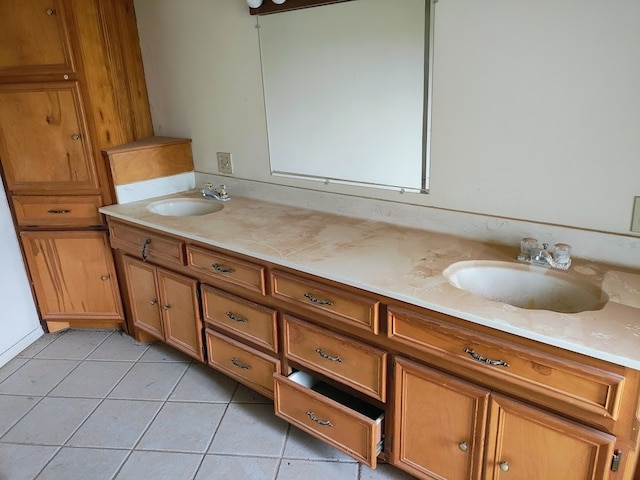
[[347, 423]]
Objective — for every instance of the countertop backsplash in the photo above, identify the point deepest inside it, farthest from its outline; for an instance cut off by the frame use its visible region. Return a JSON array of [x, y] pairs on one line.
[[604, 247]]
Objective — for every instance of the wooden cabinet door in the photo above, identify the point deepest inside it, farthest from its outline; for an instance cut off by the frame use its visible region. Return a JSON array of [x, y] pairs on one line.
[[73, 275], [179, 304], [526, 443], [439, 423], [143, 296], [33, 38], [44, 145]]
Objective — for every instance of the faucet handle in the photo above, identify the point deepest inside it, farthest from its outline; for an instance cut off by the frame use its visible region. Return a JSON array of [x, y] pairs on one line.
[[562, 252], [209, 186]]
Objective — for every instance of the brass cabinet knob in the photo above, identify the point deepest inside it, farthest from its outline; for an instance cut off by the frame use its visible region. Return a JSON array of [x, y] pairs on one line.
[[166, 307], [51, 11], [504, 466], [104, 278], [463, 446], [76, 136], [154, 302]]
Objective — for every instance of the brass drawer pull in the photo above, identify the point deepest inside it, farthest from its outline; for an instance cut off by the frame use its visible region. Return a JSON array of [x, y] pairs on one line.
[[143, 254], [222, 269], [323, 354], [317, 301], [58, 212], [236, 318], [312, 416], [483, 359], [239, 364]]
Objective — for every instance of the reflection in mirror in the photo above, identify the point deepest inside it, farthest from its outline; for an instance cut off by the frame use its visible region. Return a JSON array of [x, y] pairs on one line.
[[345, 93]]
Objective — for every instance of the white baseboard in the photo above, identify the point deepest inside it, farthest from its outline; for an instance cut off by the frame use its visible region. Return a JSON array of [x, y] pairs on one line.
[[20, 345]]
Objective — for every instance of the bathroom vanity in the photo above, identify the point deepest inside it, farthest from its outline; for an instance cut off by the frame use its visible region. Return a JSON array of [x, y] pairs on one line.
[[353, 331]]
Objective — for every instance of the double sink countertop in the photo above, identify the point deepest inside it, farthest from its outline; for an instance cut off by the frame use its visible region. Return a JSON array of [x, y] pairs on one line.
[[406, 264]]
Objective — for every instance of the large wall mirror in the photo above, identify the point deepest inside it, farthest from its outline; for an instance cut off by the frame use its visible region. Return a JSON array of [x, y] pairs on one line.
[[346, 93]]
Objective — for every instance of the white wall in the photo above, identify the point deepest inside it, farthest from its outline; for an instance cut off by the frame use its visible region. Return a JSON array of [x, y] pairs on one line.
[[19, 324], [202, 63]]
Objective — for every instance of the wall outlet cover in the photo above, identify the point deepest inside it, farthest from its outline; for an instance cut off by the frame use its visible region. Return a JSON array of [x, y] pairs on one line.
[[635, 216], [224, 163]]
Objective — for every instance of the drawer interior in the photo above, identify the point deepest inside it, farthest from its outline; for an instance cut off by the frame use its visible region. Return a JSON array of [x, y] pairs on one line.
[[337, 395]]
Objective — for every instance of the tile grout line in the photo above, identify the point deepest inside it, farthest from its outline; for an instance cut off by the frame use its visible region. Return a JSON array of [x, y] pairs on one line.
[[46, 394], [63, 444], [215, 431], [146, 429]]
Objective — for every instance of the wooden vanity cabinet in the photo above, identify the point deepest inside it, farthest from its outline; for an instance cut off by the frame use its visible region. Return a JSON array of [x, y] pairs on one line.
[[165, 305], [449, 428], [438, 397]]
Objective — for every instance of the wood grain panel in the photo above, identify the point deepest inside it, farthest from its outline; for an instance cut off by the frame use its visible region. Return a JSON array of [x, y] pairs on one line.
[[77, 210], [34, 38], [150, 158]]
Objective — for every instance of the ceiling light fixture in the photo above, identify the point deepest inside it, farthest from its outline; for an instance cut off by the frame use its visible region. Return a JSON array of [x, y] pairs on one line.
[[258, 3]]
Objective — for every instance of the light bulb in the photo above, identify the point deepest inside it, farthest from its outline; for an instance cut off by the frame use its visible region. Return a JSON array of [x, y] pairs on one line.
[[278, 2], [254, 3]]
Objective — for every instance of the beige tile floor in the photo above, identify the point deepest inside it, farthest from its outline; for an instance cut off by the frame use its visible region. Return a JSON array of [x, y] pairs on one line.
[[96, 405]]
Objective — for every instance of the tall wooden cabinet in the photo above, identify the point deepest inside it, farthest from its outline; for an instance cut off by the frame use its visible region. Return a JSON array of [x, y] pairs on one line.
[[71, 85]]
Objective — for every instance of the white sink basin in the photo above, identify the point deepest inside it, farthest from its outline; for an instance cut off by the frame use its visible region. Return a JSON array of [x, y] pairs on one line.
[[526, 286], [184, 207]]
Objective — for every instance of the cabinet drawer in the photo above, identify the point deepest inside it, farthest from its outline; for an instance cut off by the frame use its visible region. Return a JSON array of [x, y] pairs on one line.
[[353, 363], [78, 211], [346, 423], [146, 245], [243, 363], [355, 310], [555, 381], [227, 269], [236, 315]]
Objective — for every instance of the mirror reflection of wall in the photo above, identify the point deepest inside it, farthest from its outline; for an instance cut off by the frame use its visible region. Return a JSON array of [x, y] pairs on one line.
[[344, 91]]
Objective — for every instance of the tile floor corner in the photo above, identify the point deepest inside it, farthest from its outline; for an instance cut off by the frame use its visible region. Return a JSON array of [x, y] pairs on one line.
[[96, 404]]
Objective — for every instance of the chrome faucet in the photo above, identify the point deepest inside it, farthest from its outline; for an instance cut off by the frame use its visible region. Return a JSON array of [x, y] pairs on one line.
[[219, 193], [530, 252]]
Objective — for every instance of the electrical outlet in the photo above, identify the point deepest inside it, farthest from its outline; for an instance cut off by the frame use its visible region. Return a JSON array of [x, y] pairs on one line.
[[635, 216], [224, 163]]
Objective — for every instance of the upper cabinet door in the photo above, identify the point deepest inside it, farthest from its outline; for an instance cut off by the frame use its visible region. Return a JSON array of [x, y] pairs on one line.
[[33, 38], [44, 145]]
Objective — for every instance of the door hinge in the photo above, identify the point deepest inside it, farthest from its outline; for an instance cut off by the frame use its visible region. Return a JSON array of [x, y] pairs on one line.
[[615, 460]]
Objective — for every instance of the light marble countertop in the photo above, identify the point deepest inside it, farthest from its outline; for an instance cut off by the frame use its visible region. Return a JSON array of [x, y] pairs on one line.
[[407, 264]]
